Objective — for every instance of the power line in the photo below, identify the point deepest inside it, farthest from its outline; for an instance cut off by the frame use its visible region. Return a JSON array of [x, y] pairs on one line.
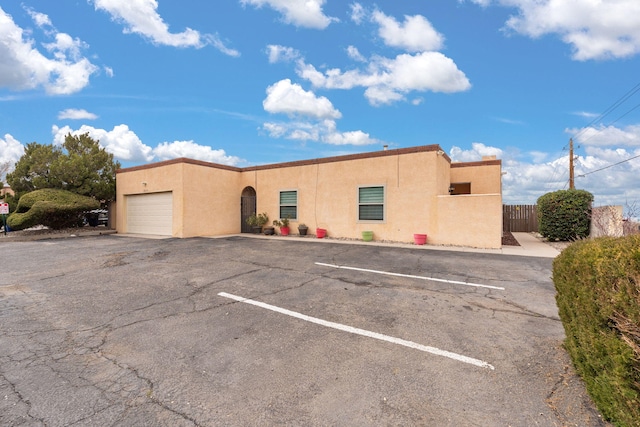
[[610, 166], [613, 106], [610, 123]]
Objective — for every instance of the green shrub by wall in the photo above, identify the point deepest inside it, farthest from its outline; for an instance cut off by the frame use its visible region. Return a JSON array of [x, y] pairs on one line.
[[598, 296], [564, 214]]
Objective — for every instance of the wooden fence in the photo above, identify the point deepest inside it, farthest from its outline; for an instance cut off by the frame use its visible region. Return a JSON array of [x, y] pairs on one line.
[[521, 218]]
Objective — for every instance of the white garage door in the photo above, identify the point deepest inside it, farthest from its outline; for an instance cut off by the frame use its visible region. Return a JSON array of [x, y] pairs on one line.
[[150, 214]]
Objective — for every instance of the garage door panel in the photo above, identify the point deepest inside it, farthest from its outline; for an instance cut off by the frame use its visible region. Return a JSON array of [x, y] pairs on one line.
[[150, 214]]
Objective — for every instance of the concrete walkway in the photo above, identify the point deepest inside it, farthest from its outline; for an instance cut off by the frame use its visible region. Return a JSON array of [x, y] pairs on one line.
[[530, 245]]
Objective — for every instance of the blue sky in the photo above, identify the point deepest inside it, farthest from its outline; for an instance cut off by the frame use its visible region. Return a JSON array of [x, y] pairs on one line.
[[247, 82]]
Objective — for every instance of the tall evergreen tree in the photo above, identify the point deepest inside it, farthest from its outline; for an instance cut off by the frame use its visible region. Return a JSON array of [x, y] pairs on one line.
[[33, 170], [80, 166]]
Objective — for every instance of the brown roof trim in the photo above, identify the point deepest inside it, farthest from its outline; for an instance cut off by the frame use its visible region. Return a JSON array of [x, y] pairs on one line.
[[383, 153], [347, 157], [479, 163], [178, 161]]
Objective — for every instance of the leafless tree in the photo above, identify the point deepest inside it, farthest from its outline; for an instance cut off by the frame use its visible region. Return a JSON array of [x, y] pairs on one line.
[[630, 220]]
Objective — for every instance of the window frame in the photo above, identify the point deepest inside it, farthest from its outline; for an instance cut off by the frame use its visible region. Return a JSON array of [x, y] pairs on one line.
[[289, 205], [383, 204]]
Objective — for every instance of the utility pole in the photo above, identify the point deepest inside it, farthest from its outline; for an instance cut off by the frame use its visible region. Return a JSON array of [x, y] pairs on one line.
[[572, 185]]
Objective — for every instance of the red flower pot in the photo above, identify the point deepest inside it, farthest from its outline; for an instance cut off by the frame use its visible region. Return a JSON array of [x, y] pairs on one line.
[[320, 233], [420, 239], [284, 231]]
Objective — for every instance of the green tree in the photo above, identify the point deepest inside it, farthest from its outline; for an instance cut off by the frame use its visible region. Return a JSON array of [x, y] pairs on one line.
[[33, 170], [80, 166], [86, 168]]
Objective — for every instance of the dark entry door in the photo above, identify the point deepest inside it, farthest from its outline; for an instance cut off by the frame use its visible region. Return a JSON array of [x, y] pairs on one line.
[[247, 208]]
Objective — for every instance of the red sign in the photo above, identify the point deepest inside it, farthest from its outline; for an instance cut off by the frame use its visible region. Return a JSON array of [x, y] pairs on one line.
[[4, 208]]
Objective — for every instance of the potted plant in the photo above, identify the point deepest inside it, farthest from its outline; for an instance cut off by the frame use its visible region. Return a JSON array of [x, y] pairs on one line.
[[269, 231], [283, 224], [302, 229], [257, 222]]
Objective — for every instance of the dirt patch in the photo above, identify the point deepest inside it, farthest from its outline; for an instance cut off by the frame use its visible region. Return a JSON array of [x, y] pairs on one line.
[[508, 239]]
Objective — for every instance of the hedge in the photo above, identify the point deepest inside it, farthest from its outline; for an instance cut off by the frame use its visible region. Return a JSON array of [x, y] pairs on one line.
[[52, 208], [564, 214], [598, 296]]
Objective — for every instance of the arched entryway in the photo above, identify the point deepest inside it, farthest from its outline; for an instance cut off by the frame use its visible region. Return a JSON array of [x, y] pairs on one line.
[[247, 208]]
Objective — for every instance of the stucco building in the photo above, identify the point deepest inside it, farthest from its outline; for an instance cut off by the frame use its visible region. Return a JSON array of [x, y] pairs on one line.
[[394, 193]]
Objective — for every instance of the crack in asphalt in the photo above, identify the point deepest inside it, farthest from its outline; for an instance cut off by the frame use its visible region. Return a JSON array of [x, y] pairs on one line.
[[20, 397]]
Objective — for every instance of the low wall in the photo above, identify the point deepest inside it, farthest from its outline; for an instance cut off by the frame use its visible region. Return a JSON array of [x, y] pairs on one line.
[[606, 221], [473, 220]]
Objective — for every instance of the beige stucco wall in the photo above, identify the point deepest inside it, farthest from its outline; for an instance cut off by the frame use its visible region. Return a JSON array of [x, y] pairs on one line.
[[485, 177], [206, 197], [213, 197], [328, 193], [470, 220]]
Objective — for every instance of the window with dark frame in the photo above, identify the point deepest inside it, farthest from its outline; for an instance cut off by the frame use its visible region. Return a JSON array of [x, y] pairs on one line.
[[289, 204], [371, 203]]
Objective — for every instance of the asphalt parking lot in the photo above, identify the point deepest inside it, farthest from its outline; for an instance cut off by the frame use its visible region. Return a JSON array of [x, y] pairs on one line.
[[124, 331]]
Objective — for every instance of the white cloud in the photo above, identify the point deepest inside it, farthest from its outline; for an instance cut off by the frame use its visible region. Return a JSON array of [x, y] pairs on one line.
[[313, 117], [349, 138], [41, 20], [608, 175], [278, 53], [75, 114], [509, 121], [291, 99], [108, 71], [191, 150], [389, 80], [586, 114], [125, 145], [23, 67], [416, 34], [142, 17], [602, 29], [10, 152], [122, 142], [215, 41], [607, 136], [301, 13], [324, 131], [355, 54], [358, 13], [478, 150]]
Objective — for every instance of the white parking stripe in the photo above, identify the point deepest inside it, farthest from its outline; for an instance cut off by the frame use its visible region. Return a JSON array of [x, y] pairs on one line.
[[365, 333], [410, 276]]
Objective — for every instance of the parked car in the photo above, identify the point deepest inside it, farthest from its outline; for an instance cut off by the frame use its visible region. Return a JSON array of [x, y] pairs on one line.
[[97, 217]]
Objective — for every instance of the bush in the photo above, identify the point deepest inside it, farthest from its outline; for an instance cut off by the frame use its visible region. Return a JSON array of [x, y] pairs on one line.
[[52, 208], [565, 214], [598, 284]]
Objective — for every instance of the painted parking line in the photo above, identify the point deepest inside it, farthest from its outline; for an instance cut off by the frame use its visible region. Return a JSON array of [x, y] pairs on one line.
[[410, 276], [362, 332]]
